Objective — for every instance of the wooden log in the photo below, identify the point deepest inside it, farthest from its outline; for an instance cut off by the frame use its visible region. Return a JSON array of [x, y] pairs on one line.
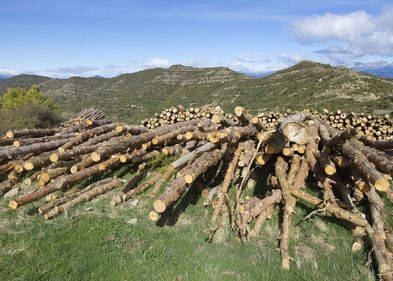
[[50, 205], [27, 141], [376, 157], [365, 167], [262, 158], [85, 196], [312, 154], [50, 174], [136, 141], [241, 115], [141, 188], [293, 129], [33, 148], [384, 269], [232, 134], [331, 209], [381, 144], [83, 136], [295, 164], [7, 185], [253, 207], [222, 193], [61, 183], [275, 144], [188, 175]]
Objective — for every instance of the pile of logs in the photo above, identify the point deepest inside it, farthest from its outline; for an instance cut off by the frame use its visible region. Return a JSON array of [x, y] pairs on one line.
[[87, 115], [347, 173], [370, 126]]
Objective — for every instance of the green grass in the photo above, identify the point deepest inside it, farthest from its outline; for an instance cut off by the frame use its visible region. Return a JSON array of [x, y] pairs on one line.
[[94, 241]]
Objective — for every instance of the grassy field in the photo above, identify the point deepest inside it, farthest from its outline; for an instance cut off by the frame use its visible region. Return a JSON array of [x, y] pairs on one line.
[[96, 241]]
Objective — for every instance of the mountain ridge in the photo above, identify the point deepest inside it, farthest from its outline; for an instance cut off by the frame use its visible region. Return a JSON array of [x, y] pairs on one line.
[[138, 95]]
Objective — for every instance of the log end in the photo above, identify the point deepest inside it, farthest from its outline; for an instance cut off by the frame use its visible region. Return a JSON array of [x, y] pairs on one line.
[[165, 151], [154, 141], [16, 143], [52, 213], [28, 166], [357, 246], [13, 204], [188, 179], [95, 156], [262, 159], [145, 146], [54, 157], [330, 170], [287, 151], [122, 158], [18, 168], [382, 185], [9, 134], [239, 111], [213, 137], [188, 135], [44, 177], [154, 216], [119, 128], [74, 169], [61, 150], [159, 206], [285, 264]]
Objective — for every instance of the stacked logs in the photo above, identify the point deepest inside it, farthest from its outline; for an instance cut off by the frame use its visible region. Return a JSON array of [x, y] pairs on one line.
[[372, 127], [180, 114], [87, 115], [169, 162]]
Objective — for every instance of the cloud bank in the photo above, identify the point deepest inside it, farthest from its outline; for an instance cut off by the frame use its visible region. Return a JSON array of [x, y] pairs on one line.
[[359, 33]]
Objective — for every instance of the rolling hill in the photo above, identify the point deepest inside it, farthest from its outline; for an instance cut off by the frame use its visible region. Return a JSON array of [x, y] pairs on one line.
[[138, 95]]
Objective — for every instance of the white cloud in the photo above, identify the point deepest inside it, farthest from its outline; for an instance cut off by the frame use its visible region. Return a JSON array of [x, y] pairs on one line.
[[359, 32], [289, 59], [8, 72], [157, 62], [255, 64]]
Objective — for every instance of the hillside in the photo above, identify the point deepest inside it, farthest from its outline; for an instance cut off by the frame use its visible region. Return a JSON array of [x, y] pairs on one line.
[[138, 95]]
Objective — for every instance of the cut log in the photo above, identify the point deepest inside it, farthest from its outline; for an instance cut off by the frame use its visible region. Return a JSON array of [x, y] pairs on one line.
[[222, 193], [331, 209], [85, 196], [232, 134], [188, 175], [365, 167], [61, 183], [48, 206]]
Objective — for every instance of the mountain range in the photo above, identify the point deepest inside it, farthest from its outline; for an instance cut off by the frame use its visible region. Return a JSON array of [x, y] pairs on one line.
[[139, 95]]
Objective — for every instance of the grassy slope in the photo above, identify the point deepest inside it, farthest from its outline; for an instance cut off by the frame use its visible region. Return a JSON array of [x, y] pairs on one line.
[[94, 242]]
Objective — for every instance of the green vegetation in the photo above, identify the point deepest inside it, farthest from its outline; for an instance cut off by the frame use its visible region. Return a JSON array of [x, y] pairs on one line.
[[98, 242], [132, 97], [21, 108]]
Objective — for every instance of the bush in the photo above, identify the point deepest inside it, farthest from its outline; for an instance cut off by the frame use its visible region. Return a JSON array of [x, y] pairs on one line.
[[18, 97], [22, 108]]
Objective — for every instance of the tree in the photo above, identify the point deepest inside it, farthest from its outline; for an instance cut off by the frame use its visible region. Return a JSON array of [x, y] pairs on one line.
[[18, 97], [27, 108]]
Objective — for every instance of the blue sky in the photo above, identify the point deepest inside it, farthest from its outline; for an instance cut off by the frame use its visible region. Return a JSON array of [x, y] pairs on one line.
[[86, 38]]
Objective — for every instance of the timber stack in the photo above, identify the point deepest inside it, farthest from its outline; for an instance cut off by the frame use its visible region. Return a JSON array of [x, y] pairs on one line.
[[87, 115], [183, 151]]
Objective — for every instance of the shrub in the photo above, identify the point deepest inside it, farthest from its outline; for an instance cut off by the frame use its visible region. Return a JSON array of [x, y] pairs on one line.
[[22, 108]]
